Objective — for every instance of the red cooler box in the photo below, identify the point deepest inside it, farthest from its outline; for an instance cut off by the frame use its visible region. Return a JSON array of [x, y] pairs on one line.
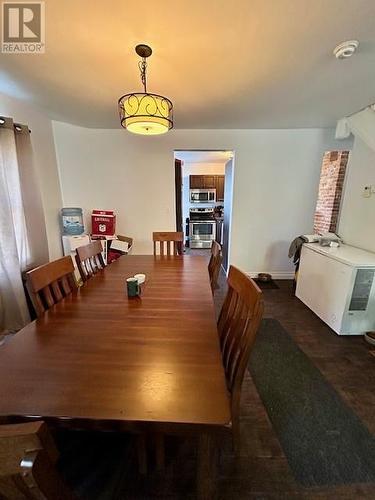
[[103, 222]]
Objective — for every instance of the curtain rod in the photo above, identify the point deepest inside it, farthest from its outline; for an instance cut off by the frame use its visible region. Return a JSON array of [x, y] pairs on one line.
[[17, 126], [371, 106]]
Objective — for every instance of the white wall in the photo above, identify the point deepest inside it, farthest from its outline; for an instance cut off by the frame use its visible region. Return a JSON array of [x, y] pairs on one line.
[[357, 219], [276, 177], [45, 164], [197, 169]]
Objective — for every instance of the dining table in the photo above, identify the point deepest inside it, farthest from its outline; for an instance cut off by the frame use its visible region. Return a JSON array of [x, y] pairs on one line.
[[101, 360]]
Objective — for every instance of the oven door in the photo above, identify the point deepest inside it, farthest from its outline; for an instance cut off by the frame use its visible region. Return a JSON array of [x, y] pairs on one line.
[[202, 234]]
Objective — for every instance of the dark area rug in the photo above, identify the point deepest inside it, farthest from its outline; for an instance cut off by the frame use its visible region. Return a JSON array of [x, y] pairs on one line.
[[323, 439], [266, 285]]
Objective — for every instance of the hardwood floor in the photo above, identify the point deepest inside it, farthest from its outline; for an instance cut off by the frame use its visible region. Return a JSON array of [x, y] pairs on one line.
[[347, 363], [261, 471], [198, 251]]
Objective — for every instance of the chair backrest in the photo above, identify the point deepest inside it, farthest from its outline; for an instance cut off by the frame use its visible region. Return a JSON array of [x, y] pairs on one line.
[[50, 283], [238, 324], [172, 240], [89, 259], [27, 464], [215, 264]]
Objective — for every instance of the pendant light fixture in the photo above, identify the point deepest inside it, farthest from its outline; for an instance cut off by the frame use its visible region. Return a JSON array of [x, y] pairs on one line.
[[142, 112]]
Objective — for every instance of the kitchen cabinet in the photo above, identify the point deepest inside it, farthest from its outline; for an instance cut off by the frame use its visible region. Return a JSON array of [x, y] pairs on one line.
[[220, 182], [209, 182], [202, 181], [196, 182]]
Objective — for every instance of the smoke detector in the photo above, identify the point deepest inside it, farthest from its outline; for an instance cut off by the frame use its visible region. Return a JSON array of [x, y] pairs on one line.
[[346, 49]]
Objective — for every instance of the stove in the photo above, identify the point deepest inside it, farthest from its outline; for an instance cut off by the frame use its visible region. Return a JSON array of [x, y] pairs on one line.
[[202, 227]]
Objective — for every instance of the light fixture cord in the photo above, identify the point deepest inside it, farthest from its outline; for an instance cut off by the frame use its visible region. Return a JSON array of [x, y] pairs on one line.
[[142, 68]]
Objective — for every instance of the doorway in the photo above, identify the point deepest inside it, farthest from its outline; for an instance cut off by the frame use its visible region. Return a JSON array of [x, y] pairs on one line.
[[203, 187]]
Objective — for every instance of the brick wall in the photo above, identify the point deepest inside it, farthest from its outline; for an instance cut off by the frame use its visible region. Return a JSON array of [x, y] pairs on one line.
[[331, 184]]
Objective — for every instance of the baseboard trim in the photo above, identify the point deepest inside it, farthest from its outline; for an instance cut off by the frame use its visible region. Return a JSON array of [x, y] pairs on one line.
[[276, 275]]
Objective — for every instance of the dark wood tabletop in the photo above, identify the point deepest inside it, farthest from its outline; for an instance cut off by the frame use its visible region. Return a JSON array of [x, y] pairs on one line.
[[100, 356]]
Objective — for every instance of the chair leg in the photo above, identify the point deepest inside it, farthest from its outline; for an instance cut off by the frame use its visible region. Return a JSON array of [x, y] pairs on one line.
[[142, 454], [159, 451]]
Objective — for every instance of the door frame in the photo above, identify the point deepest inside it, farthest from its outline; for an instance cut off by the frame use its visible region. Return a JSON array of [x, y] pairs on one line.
[[178, 193], [179, 187], [228, 192]]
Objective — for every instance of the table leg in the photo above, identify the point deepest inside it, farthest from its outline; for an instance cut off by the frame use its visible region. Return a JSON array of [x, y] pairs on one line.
[[206, 465]]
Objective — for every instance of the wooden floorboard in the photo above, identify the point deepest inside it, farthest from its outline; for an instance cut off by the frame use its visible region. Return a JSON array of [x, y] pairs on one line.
[[261, 471]]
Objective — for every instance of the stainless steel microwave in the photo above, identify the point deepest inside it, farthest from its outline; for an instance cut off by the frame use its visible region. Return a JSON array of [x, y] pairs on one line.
[[202, 195]]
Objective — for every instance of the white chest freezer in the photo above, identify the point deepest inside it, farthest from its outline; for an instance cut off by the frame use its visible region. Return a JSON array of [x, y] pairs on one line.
[[338, 285]]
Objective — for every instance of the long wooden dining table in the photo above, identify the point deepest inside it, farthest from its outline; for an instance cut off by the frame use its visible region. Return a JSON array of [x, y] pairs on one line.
[[101, 360]]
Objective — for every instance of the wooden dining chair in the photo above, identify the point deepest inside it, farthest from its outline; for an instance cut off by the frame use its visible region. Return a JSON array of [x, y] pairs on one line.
[[50, 283], [238, 325], [215, 264], [28, 459], [172, 241], [89, 259]]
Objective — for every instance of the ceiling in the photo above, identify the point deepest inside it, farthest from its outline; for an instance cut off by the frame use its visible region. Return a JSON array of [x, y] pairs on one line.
[[237, 64]]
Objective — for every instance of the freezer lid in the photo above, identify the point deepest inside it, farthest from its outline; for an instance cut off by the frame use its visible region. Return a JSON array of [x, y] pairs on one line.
[[351, 256]]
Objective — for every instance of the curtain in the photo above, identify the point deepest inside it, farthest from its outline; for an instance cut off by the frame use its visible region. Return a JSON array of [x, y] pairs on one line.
[[23, 241], [32, 200]]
